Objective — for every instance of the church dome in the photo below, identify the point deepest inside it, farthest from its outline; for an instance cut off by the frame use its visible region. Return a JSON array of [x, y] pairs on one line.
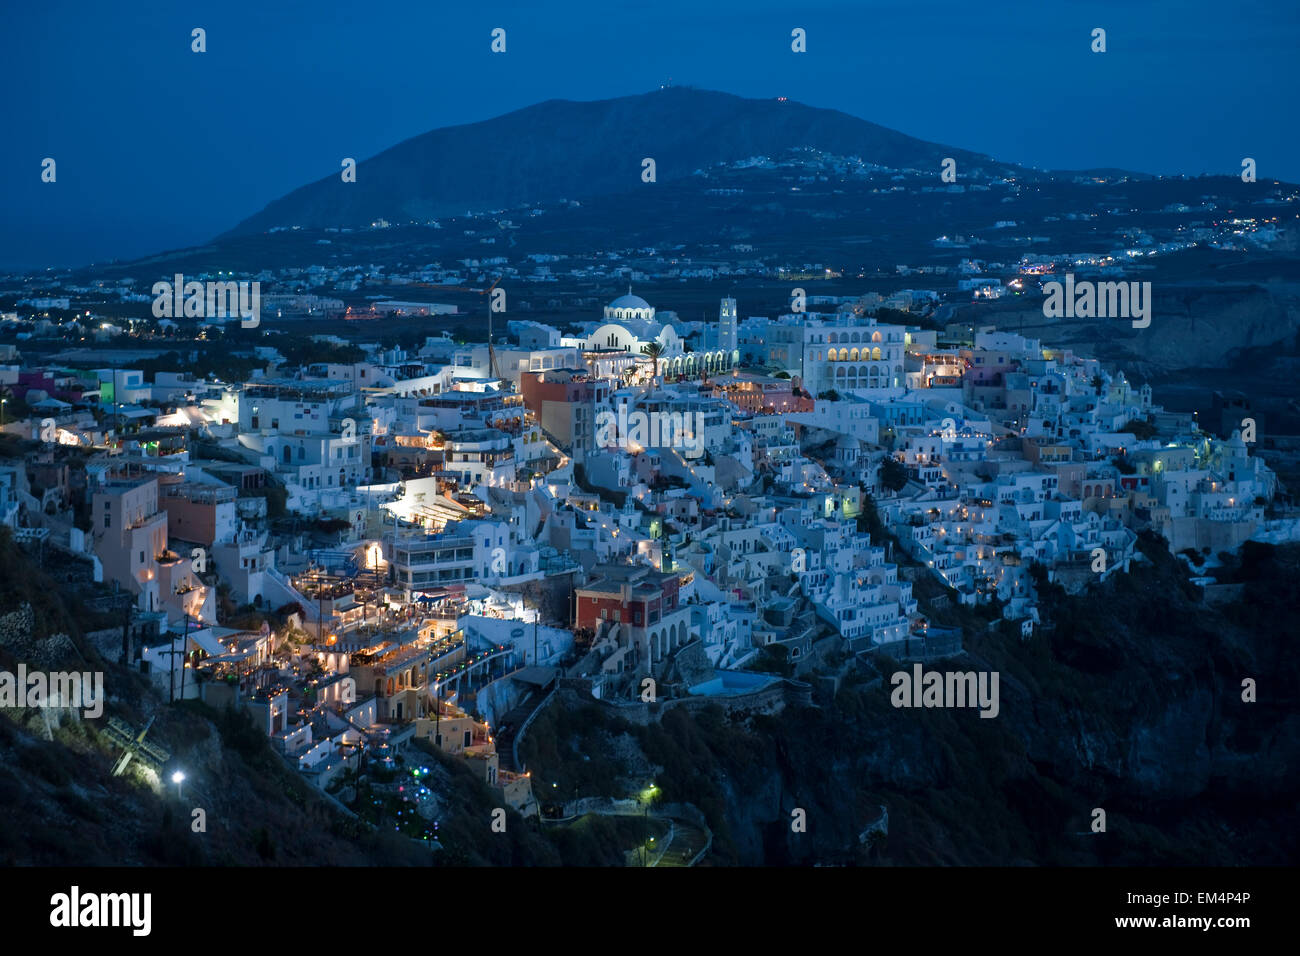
[[629, 306], [629, 301]]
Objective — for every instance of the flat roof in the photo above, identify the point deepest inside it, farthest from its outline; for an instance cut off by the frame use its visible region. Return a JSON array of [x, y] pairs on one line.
[[536, 676]]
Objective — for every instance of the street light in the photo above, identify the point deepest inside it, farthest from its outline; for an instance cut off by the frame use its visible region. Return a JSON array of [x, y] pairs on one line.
[[178, 778]]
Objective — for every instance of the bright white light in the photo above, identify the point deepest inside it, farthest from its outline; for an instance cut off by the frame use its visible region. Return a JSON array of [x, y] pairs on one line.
[[177, 777]]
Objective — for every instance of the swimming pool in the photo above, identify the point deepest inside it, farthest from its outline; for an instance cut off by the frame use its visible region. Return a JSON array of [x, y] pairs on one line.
[[731, 683]]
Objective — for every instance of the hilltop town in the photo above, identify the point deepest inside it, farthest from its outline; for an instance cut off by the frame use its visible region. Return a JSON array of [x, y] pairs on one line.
[[438, 543]]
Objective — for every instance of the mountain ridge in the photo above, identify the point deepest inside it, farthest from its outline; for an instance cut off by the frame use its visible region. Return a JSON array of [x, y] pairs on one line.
[[577, 149]]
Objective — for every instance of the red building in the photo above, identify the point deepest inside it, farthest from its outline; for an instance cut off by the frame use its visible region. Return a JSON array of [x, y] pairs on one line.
[[627, 595], [565, 402], [643, 604]]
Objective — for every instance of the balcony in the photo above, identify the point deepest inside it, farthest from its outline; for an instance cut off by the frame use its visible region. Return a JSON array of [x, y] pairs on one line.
[[203, 494], [140, 521]]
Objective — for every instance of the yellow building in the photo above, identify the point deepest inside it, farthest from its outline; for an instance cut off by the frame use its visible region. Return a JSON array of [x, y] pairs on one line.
[[457, 734]]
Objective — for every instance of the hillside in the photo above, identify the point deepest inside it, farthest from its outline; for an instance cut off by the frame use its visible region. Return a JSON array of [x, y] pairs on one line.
[[1121, 702], [565, 149], [1125, 703], [57, 786]]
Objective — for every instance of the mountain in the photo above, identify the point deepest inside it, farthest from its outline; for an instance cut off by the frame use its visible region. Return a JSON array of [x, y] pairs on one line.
[[574, 150]]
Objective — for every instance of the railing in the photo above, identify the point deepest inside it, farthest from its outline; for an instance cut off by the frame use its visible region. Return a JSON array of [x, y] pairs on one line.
[[708, 845], [417, 544], [519, 735], [141, 521], [200, 495], [663, 847]]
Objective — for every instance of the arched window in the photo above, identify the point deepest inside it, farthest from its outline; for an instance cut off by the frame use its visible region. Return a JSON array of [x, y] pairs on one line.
[[853, 355], [875, 354], [877, 337]]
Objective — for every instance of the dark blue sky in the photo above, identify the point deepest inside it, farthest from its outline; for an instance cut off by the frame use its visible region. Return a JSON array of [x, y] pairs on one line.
[[158, 147]]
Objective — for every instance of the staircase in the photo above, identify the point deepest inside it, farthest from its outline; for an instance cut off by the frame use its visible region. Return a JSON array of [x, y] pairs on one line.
[[278, 591], [686, 845]]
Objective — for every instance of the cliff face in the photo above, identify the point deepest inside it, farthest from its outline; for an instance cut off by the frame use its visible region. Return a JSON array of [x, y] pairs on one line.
[[1129, 701], [1210, 327], [1201, 326], [1132, 704]]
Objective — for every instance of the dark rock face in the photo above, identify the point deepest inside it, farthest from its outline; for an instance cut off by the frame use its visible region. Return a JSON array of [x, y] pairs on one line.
[[1133, 705]]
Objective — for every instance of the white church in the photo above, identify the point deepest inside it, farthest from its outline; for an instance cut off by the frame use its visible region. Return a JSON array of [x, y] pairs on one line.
[[630, 324]]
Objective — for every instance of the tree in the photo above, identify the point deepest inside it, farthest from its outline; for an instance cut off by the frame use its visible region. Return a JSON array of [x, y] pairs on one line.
[[775, 657], [1140, 429], [654, 350], [892, 474]]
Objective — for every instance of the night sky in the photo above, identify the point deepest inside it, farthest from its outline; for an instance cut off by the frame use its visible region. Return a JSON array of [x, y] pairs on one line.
[[158, 147]]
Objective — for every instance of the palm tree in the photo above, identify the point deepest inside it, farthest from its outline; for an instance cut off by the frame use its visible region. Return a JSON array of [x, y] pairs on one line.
[[654, 350]]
